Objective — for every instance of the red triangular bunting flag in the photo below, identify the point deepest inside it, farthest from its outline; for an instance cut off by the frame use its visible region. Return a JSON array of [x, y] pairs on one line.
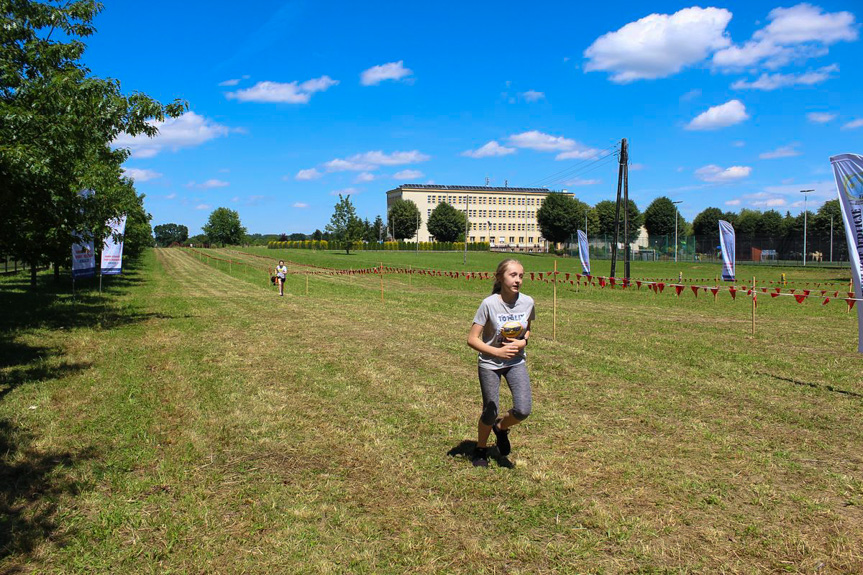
[[678, 289], [661, 286], [850, 303], [695, 290], [826, 299], [733, 292], [638, 283], [715, 290], [800, 298]]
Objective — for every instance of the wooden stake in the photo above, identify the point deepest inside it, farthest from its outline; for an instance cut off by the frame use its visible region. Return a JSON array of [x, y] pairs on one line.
[[754, 296], [554, 307]]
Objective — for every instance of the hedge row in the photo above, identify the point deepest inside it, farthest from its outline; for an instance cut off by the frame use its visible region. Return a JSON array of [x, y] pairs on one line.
[[388, 246]]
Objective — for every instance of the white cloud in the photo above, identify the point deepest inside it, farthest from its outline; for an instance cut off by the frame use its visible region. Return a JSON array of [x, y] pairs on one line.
[[714, 173], [532, 96], [310, 174], [373, 160], [659, 45], [391, 71], [820, 117], [794, 34], [255, 200], [300, 205], [186, 131], [339, 165], [140, 175], [408, 175], [535, 140], [732, 203], [691, 95], [636, 167], [170, 196], [580, 154], [214, 183], [203, 207], [722, 116], [769, 203], [364, 177], [781, 152], [289, 93], [854, 124], [768, 82], [345, 192], [235, 199], [580, 182], [738, 144], [490, 149], [231, 82]]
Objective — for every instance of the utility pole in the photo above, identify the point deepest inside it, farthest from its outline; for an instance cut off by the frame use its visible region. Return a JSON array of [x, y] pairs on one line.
[[804, 192], [622, 185]]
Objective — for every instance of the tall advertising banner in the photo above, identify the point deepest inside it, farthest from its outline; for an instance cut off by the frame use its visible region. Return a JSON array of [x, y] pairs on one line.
[[726, 242], [583, 252], [112, 251], [848, 170], [83, 256]]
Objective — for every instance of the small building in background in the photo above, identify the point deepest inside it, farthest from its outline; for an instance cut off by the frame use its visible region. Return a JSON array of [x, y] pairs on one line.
[[503, 217]]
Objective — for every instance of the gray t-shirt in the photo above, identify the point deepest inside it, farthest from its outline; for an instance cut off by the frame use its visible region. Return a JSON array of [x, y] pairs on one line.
[[500, 319]]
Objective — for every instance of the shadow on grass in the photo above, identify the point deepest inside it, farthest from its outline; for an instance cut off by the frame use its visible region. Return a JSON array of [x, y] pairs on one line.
[[815, 385], [31, 484], [465, 450]]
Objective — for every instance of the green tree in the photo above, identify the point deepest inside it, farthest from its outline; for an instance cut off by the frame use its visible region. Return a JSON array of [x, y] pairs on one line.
[[380, 229], [748, 222], [167, 234], [224, 227], [559, 217], [659, 218], [446, 223], [605, 211], [706, 223], [318, 235], [771, 224], [139, 233], [405, 220], [56, 124], [344, 225]]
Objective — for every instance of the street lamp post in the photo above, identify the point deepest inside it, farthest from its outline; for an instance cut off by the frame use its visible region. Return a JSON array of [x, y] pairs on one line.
[[676, 217], [805, 213]]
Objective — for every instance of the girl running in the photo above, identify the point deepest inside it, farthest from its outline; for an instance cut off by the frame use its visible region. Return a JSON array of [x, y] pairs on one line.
[[500, 330], [281, 273]]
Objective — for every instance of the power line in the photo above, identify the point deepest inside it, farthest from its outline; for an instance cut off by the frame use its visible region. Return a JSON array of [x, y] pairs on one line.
[[597, 156]]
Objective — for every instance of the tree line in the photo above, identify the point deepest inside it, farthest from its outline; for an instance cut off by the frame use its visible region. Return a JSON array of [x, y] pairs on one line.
[[57, 122]]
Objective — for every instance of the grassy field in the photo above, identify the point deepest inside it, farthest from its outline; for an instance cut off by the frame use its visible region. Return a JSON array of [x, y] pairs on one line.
[[191, 421]]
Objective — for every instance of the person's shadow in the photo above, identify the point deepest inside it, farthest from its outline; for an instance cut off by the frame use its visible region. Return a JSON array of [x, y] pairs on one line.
[[466, 448]]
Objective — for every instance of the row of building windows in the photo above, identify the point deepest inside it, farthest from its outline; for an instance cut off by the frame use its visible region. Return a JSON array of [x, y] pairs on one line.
[[484, 200], [484, 226], [495, 213], [511, 239]]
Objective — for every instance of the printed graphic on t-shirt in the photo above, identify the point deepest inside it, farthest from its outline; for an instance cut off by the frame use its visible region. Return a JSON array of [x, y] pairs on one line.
[[512, 325]]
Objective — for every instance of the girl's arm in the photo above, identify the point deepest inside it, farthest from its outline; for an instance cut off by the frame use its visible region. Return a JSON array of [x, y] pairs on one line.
[[474, 340]]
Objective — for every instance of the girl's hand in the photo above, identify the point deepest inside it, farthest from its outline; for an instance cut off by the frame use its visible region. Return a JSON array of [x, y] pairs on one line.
[[509, 349]]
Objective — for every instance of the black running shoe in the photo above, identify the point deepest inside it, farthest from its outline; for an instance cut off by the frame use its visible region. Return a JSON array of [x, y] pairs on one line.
[[480, 457], [503, 445]]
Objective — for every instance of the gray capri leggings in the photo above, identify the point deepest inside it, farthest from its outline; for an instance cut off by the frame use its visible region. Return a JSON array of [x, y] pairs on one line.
[[519, 384]]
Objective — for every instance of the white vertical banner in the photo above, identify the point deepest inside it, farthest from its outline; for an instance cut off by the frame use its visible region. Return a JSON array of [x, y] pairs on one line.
[[583, 252], [112, 251], [83, 256], [726, 243], [848, 170]]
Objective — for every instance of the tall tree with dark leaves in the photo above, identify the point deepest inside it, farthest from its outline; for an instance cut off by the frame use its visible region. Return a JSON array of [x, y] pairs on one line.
[[57, 123], [345, 226], [224, 227], [405, 220]]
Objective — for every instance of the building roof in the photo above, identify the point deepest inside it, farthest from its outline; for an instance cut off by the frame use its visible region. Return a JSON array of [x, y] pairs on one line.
[[470, 188]]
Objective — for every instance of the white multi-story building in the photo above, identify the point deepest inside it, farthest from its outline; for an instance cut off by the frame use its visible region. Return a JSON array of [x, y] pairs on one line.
[[503, 217]]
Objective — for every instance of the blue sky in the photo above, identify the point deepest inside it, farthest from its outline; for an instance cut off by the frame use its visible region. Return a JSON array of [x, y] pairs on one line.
[[733, 105]]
